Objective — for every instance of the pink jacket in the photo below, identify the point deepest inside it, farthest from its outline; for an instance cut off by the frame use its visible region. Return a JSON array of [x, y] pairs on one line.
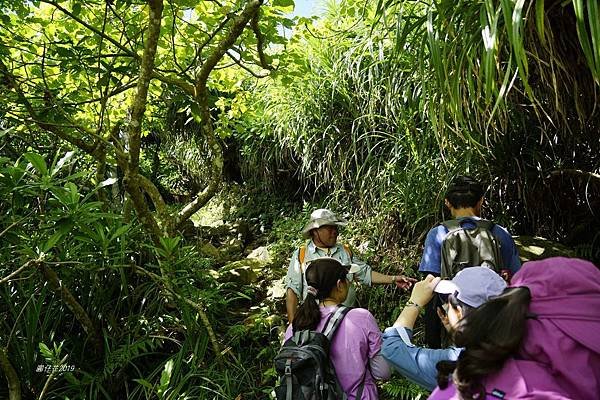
[[560, 354]]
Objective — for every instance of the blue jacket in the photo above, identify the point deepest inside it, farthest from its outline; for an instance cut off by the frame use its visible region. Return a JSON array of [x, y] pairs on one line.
[[415, 363], [432, 253]]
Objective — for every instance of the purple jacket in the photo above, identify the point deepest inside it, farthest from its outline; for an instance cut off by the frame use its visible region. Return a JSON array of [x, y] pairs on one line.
[[560, 354], [357, 340]]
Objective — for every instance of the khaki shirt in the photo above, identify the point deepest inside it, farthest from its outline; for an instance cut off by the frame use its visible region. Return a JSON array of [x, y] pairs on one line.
[[296, 280]]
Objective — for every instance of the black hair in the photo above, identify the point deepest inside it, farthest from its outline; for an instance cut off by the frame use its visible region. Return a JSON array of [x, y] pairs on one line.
[[323, 275], [455, 302], [489, 334], [464, 192]]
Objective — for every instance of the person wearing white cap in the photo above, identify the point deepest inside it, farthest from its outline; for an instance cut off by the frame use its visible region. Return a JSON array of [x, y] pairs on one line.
[[322, 231], [470, 288]]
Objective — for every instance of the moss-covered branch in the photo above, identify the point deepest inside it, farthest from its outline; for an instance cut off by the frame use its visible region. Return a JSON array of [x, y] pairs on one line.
[[235, 30], [14, 386], [234, 27], [71, 302], [158, 201], [198, 307], [138, 106], [260, 42]]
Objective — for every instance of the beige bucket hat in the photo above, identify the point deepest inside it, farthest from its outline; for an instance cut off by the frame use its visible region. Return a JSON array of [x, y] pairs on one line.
[[322, 217]]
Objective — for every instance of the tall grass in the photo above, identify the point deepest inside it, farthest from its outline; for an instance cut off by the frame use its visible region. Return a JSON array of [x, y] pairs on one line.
[[389, 101]]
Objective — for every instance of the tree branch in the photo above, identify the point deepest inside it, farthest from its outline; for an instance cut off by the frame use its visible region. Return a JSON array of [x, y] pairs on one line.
[[188, 88], [241, 65], [196, 204], [133, 185], [14, 386], [17, 272], [14, 224], [260, 43], [91, 28], [157, 199], [50, 377], [139, 102], [115, 92], [72, 303], [236, 29], [11, 82], [213, 34]]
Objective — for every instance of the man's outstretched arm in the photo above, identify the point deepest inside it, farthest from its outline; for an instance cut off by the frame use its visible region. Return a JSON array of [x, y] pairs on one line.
[[401, 281]]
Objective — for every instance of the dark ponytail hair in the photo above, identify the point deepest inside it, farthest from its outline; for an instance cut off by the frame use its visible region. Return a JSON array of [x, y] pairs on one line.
[[490, 334], [323, 275]]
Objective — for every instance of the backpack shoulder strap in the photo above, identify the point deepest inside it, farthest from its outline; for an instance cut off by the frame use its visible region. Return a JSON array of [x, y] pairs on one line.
[[302, 255], [484, 223], [334, 321], [452, 225]]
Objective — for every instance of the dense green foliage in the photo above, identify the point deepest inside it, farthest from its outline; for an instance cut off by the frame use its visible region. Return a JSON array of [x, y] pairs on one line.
[[150, 341], [380, 106], [119, 120]]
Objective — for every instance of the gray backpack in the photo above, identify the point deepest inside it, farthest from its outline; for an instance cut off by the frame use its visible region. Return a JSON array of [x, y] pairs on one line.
[[469, 247], [304, 368]]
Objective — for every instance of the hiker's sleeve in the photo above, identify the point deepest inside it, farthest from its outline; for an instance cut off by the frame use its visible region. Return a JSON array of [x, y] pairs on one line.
[[378, 365], [431, 260], [364, 273], [293, 279], [415, 363], [380, 369], [508, 248], [288, 333]]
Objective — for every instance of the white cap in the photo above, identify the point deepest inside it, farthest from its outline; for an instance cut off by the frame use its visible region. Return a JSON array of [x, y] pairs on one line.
[[473, 286]]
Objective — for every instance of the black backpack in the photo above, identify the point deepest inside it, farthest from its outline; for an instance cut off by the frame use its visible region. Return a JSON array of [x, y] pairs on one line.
[[469, 247], [304, 368]]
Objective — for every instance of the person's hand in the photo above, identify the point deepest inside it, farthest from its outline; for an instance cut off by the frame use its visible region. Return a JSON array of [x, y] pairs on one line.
[[444, 318], [422, 292], [403, 282]]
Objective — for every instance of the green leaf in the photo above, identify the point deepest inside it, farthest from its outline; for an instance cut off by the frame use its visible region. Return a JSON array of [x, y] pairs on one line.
[[165, 377], [196, 113], [37, 162], [66, 158], [169, 244], [53, 241], [76, 9], [5, 19], [72, 190], [539, 19], [62, 195], [119, 232], [46, 352], [144, 383], [283, 3]]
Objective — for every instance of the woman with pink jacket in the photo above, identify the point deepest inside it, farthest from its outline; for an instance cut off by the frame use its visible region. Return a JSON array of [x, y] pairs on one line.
[[538, 340], [355, 350]]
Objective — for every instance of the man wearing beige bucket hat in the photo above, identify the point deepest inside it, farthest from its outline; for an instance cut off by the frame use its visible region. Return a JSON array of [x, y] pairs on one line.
[[322, 231]]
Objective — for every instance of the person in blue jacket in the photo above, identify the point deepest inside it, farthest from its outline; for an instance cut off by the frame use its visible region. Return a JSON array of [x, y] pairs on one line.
[[470, 288], [464, 199]]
